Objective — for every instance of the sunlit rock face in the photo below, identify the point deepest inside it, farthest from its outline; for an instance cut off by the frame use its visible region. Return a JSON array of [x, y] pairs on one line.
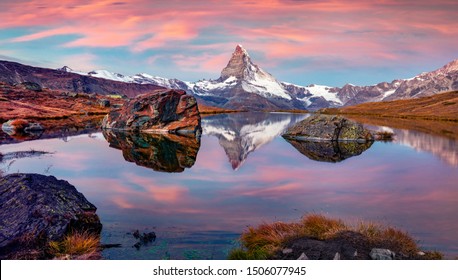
[[169, 111], [160, 152], [330, 151], [240, 136]]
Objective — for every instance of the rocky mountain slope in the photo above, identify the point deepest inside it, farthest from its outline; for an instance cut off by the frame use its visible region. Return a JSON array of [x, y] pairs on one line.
[[62, 80]]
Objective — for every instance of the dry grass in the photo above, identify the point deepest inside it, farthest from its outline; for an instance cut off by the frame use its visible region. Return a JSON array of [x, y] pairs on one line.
[[263, 241], [319, 227], [443, 106], [76, 245], [270, 236], [389, 238]]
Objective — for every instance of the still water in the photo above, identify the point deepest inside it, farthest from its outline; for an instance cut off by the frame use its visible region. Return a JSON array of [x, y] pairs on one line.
[[199, 197]]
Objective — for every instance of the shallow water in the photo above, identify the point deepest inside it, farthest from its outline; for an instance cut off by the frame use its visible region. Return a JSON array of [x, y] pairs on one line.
[[243, 174]]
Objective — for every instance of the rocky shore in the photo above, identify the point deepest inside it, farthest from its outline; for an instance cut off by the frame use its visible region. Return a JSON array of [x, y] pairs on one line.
[[37, 210]]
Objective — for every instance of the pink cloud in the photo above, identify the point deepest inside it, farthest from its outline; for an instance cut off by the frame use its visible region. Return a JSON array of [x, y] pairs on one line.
[[358, 32]]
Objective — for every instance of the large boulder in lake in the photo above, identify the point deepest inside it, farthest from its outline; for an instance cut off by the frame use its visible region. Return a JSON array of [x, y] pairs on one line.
[[328, 128], [36, 209], [164, 110]]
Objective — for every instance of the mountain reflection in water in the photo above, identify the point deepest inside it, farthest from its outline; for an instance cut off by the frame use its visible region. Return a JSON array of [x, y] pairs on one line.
[[243, 133], [160, 152]]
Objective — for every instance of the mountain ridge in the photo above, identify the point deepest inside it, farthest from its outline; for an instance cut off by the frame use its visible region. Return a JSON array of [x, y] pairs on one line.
[[242, 85]]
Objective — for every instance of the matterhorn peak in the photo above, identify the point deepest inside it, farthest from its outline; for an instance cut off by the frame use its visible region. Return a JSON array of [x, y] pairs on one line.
[[239, 65], [239, 50]]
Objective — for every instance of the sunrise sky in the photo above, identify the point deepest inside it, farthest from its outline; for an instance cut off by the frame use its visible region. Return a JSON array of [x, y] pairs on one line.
[[303, 42]]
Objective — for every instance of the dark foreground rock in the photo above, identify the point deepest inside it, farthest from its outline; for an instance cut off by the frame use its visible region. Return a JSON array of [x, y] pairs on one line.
[[161, 152], [346, 245], [36, 209], [170, 111], [330, 151], [328, 128]]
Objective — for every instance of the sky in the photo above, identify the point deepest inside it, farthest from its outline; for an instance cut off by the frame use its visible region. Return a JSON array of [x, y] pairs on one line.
[[298, 41]]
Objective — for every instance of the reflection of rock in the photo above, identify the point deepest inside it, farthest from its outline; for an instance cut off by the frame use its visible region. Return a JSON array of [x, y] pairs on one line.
[[37, 209], [161, 152], [330, 151], [17, 126], [329, 128], [242, 133], [160, 111]]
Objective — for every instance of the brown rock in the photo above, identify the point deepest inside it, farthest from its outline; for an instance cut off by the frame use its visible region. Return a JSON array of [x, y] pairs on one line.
[[160, 111]]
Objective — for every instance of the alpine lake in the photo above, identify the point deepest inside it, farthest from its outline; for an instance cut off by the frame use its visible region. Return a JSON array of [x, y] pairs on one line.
[[198, 197]]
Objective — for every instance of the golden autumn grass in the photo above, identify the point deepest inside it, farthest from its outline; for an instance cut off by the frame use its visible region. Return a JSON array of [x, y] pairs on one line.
[[442, 106], [265, 240], [76, 245]]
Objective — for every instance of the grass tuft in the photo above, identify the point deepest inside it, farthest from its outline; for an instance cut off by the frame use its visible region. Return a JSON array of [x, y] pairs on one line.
[[320, 227], [75, 245]]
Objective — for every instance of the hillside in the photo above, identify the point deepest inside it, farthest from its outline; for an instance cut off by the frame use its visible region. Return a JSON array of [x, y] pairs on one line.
[[443, 106], [21, 101], [16, 73]]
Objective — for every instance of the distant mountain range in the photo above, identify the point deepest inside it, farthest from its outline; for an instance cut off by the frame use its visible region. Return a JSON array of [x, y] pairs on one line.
[[241, 85]]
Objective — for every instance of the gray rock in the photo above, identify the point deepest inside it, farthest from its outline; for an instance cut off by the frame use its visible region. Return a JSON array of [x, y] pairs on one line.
[[104, 103], [287, 251], [34, 127], [37, 209], [303, 256], [14, 126], [382, 254], [32, 86], [328, 128]]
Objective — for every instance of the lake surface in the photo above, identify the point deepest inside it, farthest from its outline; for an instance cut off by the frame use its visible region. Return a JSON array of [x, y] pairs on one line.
[[199, 197]]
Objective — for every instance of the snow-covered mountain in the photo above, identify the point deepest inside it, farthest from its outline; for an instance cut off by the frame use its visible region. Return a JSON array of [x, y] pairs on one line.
[[240, 136], [241, 85], [244, 85]]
